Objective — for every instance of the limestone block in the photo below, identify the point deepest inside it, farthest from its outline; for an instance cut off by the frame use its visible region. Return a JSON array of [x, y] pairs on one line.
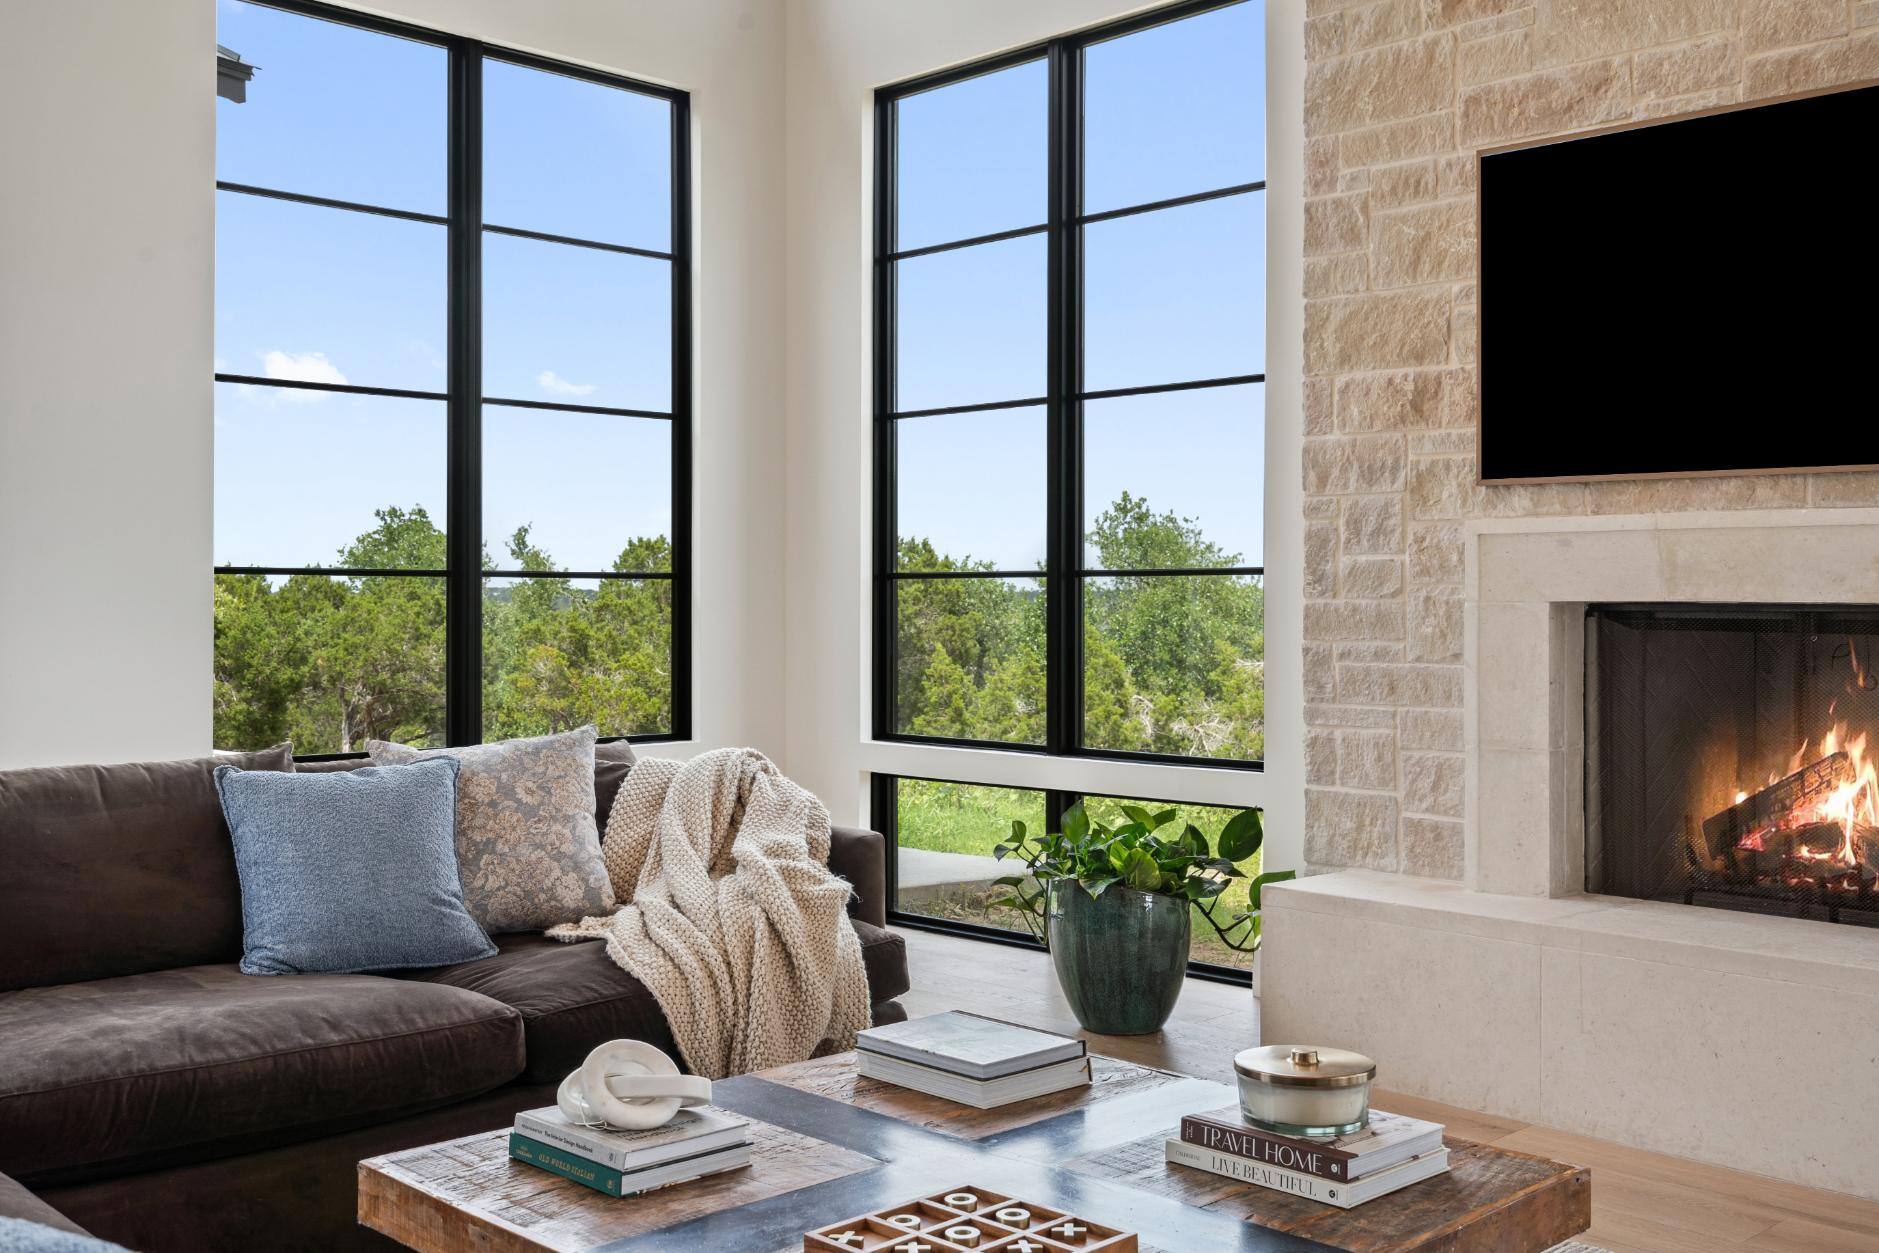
[[1384, 22], [1399, 80], [1426, 244], [1550, 102], [1820, 65], [1372, 525], [1425, 136], [1321, 757], [1432, 847], [1687, 68], [1498, 56], [1354, 463], [1334, 224], [1435, 624], [1354, 619], [1380, 331], [1344, 274], [1435, 553], [1432, 783], [1320, 559], [1577, 30], [1408, 182], [1324, 36], [1435, 730], [1318, 394], [1350, 829], [1330, 715], [1419, 686], [1367, 759], [1782, 23], [1395, 401], [1756, 491], [1371, 576]]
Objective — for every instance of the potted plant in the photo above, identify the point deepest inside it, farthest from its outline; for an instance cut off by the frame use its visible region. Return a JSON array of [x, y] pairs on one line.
[[1114, 905]]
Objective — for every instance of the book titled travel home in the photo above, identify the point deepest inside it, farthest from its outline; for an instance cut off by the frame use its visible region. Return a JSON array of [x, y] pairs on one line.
[[689, 1133], [968, 1044], [1328, 1191], [1385, 1141]]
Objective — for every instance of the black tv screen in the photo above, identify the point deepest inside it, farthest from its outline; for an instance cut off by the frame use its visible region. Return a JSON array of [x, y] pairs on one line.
[[1693, 296]]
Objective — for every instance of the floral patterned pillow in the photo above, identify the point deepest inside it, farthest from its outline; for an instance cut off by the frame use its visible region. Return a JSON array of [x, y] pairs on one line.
[[527, 847]]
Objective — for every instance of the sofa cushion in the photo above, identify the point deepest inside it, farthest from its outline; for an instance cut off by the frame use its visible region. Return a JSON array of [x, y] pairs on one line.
[[114, 870], [527, 845], [572, 996], [184, 1064], [353, 872]]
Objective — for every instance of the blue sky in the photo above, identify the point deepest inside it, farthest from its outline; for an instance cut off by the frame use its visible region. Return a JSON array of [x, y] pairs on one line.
[[319, 294]]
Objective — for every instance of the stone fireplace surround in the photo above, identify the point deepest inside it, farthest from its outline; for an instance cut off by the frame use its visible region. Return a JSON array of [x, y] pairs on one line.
[[1733, 1038]]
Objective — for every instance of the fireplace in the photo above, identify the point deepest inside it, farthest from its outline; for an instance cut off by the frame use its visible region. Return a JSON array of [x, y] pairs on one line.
[[1730, 757]]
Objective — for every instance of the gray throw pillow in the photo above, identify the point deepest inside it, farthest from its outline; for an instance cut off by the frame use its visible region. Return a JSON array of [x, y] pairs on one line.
[[527, 844], [612, 763], [349, 872]]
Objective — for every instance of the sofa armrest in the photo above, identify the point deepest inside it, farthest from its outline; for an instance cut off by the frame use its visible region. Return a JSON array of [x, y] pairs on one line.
[[17, 1202], [861, 858]]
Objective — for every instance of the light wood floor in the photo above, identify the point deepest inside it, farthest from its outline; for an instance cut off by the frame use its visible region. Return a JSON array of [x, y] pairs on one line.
[[1641, 1202]]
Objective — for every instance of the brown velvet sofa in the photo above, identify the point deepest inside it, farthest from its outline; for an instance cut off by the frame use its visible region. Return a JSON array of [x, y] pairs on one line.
[[156, 1096]]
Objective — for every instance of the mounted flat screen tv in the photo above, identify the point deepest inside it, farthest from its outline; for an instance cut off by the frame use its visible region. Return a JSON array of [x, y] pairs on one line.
[[1698, 296]]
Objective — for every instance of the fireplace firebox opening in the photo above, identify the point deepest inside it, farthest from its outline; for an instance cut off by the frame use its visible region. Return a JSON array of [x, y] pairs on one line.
[[1730, 757]]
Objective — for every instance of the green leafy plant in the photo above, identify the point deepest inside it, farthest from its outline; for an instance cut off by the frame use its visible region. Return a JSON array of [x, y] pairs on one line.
[[1151, 852]]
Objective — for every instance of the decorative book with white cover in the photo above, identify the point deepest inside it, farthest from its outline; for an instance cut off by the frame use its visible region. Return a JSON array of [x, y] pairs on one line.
[[1312, 1187], [969, 1044], [690, 1132]]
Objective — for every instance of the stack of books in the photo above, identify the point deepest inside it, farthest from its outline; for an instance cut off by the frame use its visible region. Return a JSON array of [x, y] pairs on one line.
[[971, 1059], [696, 1143], [1391, 1152]]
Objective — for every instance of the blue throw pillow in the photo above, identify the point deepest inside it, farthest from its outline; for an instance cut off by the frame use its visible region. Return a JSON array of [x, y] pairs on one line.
[[350, 871]]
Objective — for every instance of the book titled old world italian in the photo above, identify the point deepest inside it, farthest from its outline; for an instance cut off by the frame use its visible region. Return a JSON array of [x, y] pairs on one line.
[[1385, 1141]]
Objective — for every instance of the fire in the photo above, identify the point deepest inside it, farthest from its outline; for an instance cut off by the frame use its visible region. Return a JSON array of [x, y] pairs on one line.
[[1852, 805]]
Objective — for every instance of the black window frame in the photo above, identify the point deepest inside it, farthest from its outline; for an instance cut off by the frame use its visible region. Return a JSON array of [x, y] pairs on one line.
[[1065, 575], [464, 576], [884, 816]]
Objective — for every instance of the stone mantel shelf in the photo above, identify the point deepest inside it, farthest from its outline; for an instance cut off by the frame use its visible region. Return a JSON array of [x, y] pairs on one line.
[[1793, 950]]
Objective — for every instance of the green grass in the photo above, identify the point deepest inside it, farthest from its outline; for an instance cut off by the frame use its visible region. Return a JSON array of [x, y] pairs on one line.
[[968, 818]]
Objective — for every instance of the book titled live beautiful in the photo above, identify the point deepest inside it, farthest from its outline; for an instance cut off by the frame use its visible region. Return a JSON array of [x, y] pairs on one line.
[[1386, 1140]]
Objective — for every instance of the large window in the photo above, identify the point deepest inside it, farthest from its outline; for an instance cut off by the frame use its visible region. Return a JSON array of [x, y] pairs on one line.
[[1069, 395], [452, 398], [943, 836]]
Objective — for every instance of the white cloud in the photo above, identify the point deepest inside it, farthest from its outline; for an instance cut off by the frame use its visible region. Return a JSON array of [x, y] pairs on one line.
[[301, 367], [549, 381]]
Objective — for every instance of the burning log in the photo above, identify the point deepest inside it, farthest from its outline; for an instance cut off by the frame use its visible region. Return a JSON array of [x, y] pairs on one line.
[[1723, 833]]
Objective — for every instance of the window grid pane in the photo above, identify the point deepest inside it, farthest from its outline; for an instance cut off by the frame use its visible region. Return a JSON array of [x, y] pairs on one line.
[[324, 467], [1159, 650]]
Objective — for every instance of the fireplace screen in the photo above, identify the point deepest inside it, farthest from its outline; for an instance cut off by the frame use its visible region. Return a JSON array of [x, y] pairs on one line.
[[1729, 757]]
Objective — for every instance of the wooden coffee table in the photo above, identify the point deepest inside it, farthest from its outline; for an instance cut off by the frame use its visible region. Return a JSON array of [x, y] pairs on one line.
[[830, 1143]]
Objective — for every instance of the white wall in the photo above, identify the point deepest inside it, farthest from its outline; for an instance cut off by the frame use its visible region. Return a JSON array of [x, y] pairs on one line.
[[106, 464], [107, 159], [838, 52]]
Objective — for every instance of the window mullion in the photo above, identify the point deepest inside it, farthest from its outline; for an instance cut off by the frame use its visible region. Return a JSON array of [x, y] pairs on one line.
[[463, 629], [1064, 684]]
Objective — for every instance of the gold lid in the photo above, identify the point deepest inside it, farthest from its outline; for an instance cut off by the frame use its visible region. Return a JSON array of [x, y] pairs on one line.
[[1304, 1066]]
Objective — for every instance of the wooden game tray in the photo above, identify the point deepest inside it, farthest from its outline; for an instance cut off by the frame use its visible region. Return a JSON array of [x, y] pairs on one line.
[[968, 1220]]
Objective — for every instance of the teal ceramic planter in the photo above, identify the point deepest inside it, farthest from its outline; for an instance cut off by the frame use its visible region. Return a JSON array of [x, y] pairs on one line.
[[1120, 957]]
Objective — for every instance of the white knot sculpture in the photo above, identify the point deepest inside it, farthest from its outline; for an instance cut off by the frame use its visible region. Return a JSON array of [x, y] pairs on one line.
[[628, 1085]]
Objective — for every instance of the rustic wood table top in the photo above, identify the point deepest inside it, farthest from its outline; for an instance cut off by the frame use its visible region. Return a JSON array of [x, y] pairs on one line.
[[829, 1143]]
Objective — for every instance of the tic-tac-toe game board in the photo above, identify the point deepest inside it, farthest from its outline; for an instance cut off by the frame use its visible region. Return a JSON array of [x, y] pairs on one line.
[[968, 1218]]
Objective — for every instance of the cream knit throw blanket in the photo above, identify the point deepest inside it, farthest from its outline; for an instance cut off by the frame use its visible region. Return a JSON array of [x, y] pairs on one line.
[[731, 917]]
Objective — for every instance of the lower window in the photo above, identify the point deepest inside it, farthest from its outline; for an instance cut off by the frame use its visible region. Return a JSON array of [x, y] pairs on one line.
[[941, 835]]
